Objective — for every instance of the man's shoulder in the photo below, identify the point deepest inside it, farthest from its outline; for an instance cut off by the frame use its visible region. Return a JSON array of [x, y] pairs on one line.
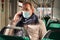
[[41, 21]]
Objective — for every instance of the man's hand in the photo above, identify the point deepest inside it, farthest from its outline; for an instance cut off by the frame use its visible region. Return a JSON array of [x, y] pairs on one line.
[[16, 18], [12, 24]]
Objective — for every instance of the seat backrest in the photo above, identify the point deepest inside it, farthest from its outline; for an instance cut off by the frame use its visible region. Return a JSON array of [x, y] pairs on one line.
[[21, 32], [45, 19], [53, 25], [52, 35], [2, 30], [6, 37]]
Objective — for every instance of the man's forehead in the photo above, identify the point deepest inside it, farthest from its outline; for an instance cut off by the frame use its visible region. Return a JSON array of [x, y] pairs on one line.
[[26, 6]]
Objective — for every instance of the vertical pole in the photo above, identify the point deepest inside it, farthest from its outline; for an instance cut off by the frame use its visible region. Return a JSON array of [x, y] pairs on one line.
[[13, 4], [0, 12], [52, 5]]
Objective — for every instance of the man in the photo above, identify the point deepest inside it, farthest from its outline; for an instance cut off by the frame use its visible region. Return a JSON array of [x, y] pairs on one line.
[[35, 28]]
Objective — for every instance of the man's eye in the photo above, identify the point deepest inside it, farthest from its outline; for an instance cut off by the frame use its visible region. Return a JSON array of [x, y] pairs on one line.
[[26, 9]]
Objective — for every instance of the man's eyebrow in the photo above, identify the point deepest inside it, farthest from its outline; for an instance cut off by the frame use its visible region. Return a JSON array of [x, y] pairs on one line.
[[25, 8]]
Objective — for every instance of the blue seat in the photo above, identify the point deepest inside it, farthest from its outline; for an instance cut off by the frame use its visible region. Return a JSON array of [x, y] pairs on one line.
[[6, 37], [52, 35], [53, 25]]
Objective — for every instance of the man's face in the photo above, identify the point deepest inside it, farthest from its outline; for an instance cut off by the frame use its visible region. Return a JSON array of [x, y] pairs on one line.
[[28, 8]]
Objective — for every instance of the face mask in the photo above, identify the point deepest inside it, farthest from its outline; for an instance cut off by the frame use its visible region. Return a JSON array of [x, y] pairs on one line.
[[26, 14]]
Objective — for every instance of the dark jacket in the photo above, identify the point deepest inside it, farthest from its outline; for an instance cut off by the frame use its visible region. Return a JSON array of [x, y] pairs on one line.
[[32, 20]]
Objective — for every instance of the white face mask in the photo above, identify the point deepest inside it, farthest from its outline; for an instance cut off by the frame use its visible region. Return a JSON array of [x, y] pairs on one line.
[[26, 14]]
